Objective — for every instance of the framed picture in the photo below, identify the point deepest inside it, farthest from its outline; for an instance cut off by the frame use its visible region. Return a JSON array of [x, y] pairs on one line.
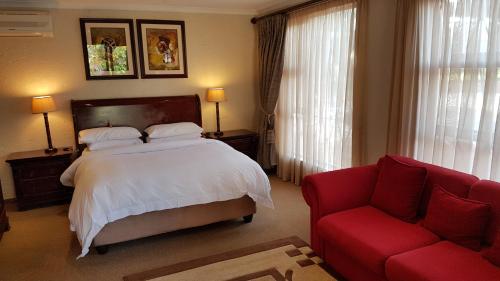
[[162, 49], [108, 48]]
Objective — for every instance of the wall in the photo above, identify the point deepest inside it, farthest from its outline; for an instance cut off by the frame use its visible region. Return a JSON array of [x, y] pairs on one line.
[[378, 83], [220, 49]]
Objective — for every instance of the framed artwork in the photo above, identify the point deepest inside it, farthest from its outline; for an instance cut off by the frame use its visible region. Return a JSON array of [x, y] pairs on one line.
[[162, 48], [108, 48]]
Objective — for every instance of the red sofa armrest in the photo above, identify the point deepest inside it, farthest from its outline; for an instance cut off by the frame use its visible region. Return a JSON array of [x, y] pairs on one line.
[[340, 190]]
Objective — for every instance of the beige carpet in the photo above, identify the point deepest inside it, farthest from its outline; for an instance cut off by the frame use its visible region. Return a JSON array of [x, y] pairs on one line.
[[288, 259], [40, 246]]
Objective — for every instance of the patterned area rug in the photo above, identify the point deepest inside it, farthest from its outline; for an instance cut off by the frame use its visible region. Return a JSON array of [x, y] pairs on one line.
[[289, 259]]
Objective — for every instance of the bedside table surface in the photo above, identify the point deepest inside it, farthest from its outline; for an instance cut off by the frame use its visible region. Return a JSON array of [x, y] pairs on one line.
[[39, 154], [231, 134]]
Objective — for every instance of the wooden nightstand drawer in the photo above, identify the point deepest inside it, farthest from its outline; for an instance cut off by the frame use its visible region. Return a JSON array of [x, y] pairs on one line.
[[39, 169], [244, 144], [36, 177], [40, 186], [242, 140]]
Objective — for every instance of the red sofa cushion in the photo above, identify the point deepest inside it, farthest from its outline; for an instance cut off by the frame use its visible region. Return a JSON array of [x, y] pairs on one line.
[[443, 261], [399, 189], [349, 268], [453, 181], [370, 236], [488, 192], [493, 254], [460, 220]]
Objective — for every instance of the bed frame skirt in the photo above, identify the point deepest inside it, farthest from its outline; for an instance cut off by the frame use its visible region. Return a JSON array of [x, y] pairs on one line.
[[153, 223]]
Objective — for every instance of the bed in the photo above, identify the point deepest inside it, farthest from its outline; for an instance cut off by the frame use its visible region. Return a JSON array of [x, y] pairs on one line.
[[232, 200]]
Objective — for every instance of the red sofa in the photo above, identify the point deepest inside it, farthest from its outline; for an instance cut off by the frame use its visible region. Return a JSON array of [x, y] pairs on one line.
[[364, 243]]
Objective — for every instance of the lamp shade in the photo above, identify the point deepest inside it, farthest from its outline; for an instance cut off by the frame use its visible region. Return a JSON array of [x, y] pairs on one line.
[[42, 104], [216, 95]]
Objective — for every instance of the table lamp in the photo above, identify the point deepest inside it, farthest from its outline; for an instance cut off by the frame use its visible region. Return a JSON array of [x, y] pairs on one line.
[[216, 95], [45, 104]]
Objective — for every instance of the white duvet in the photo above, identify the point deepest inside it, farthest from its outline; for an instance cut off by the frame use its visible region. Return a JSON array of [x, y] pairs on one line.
[[132, 180]]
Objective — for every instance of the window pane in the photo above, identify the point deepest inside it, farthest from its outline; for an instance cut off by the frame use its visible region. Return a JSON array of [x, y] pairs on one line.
[[314, 113], [459, 59]]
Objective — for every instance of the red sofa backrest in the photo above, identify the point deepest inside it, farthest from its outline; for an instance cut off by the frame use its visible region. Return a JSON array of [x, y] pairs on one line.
[[488, 192], [455, 182]]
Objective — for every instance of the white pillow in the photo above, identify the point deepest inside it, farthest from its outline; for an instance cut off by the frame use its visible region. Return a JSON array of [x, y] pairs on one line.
[[174, 138], [112, 144], [174, 129], [107, 133]]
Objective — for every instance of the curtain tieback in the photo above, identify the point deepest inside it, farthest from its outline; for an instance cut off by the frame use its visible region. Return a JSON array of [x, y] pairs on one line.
[[270, 137]]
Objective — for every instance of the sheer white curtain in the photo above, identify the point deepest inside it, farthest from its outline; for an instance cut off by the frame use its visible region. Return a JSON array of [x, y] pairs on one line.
[[458, 117], [314, 112]]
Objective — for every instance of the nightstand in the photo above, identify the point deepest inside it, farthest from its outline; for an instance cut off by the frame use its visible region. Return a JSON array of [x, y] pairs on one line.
[[36, 177], [242, 140]]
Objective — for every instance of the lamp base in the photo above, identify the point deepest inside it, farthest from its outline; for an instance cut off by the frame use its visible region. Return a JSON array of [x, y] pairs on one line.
[[50, 150], [218, 134]]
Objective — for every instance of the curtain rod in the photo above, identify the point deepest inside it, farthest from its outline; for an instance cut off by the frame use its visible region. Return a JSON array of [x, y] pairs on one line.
[[294, 8]]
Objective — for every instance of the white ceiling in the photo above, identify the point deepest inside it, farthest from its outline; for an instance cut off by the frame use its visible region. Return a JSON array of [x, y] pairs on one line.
[[246, 7]]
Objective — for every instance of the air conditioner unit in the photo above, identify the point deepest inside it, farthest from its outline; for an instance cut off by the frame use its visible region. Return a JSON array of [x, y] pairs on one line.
[[25, 24]]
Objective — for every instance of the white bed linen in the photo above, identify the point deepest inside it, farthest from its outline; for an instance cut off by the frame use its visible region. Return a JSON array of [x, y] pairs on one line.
[[116, 183], [112, 144], [107, 133]]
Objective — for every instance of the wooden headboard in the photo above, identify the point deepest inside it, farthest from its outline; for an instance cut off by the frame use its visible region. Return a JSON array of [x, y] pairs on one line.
[[139, 113]]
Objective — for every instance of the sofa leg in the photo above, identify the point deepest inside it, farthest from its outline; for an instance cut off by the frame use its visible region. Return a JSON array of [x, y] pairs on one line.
[[102, 250], [248, 219]]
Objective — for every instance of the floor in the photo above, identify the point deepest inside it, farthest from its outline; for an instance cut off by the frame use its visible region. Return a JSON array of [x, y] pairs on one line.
[[40, 246]]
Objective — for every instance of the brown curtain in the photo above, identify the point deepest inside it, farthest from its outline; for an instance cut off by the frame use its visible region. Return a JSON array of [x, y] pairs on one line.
[[358, 152], [403, 107], [271, 40]]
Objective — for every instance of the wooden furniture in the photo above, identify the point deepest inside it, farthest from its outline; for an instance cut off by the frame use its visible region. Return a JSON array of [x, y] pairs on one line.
[[36, 177], [141, 113], [242, 140], [4, 220]]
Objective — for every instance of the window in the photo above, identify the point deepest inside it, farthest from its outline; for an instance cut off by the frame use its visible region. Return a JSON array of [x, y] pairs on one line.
[[458, 118], [314, 112]]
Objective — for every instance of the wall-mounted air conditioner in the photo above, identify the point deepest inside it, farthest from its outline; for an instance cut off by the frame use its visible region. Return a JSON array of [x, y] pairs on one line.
[[25, 24]]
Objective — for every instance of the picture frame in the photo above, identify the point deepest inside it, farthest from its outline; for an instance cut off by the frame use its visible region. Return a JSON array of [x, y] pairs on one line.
[[162, 48], [108, 48]]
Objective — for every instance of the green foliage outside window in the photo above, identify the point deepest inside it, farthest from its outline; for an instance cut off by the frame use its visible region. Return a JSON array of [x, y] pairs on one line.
[[98, 62]]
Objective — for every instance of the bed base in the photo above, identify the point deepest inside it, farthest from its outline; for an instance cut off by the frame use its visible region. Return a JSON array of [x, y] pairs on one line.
[[158, 222]]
